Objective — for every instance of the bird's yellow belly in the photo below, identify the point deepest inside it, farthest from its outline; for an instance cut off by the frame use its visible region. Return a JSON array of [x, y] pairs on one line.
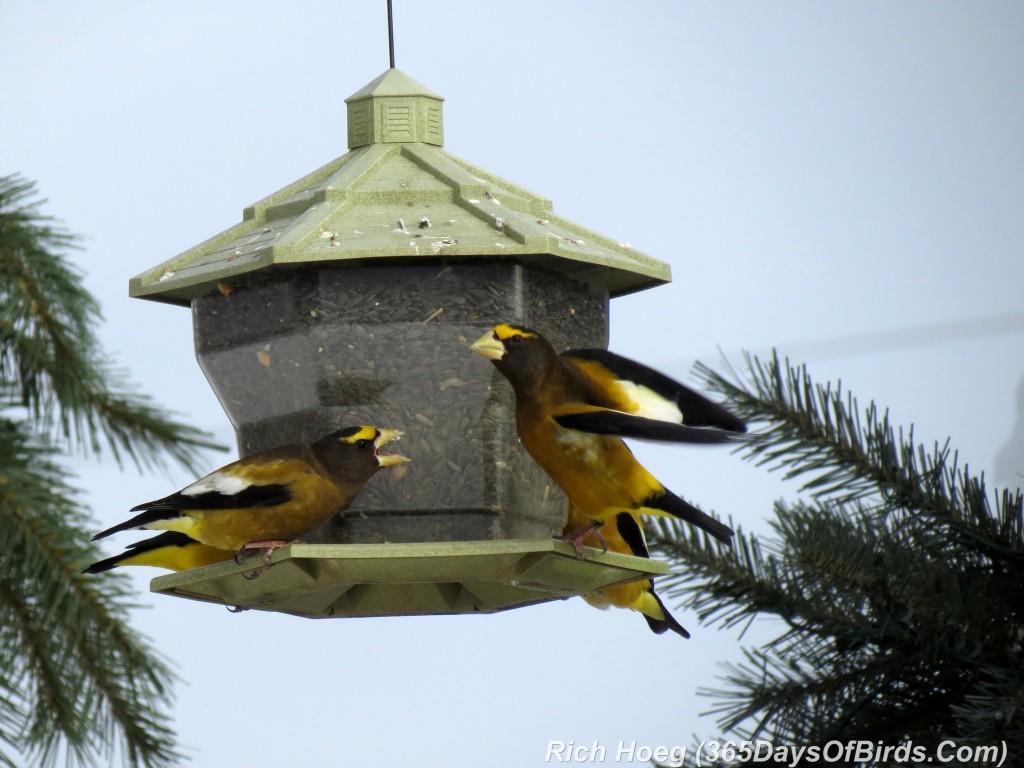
[[179, 558], [632, 595], [598, 473]]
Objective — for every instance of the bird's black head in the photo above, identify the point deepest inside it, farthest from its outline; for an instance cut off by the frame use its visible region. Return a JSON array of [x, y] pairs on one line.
[[353, 453], [521, 354]]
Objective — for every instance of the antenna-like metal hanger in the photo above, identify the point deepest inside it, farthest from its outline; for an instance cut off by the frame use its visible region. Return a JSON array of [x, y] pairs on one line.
[[391, 36]]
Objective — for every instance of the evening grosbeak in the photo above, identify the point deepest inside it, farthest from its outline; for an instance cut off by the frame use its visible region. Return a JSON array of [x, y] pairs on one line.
[[263, 501], [170, 549], [624, 534], [572, 411]]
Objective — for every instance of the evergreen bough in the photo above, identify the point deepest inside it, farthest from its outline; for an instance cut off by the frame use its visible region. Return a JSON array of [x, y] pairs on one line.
[[899, 580], [75, 679]]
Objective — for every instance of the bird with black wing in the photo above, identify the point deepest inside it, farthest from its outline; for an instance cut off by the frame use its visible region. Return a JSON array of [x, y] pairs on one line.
[[574, 408], [259, 503]]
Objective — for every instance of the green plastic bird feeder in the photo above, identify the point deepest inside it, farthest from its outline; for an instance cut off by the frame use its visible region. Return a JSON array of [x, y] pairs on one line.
[[351, 297]]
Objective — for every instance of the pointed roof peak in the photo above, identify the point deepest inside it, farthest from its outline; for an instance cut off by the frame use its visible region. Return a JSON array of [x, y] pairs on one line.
[[393, 82]]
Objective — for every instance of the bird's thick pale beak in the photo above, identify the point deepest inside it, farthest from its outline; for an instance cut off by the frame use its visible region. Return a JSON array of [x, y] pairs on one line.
[[489, 347], [388, 459]]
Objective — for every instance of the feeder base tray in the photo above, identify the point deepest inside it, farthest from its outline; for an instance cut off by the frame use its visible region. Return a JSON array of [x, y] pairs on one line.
[[347, 580]]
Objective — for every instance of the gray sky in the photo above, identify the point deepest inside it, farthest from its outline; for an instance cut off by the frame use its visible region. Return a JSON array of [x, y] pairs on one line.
[[841, 180]]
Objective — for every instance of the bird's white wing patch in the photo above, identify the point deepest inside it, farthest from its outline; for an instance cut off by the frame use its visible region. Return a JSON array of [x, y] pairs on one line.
[[218, 482], [649, 403]]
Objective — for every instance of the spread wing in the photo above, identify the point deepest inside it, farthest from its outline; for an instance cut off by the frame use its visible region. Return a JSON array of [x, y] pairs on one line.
[[631, 400], [603, 421]]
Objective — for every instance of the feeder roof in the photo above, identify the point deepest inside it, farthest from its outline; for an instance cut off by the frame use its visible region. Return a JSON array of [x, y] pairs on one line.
[[398, 194]]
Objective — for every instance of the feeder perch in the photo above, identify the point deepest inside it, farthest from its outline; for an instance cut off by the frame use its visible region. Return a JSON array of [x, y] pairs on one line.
[[351, 297], [340, 580]]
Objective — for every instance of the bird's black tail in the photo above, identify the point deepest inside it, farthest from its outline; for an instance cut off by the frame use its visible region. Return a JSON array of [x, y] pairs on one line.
[[631, 532], [661, 626], [105, 565], [140, 520], [668, 503], [166, 539]]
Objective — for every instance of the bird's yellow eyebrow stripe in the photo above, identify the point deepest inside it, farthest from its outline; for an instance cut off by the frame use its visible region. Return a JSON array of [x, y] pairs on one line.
[[355, 434], [506, 331]]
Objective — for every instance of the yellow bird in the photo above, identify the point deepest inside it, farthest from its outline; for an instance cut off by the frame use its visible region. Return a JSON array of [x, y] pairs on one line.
[[572, 411], [263, 501], [624, 534], [172, 550]]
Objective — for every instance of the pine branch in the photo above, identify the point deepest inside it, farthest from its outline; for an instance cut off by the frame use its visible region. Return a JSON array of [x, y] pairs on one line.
[[46, 312], [81, 675], [898, 583], [75, 680], [810, 430], [990, 714], [816, 432], [50, 361], [724, 585], [132, 427]]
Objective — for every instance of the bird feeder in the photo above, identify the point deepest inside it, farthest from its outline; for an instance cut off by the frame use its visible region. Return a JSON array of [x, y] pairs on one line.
[[351, 297]]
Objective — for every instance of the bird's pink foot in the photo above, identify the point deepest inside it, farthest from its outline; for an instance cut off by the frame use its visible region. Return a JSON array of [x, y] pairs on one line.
[[577, 539], [262, 548]]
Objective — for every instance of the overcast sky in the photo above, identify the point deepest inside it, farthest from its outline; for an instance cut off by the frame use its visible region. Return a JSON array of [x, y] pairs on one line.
[[842, 180]]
